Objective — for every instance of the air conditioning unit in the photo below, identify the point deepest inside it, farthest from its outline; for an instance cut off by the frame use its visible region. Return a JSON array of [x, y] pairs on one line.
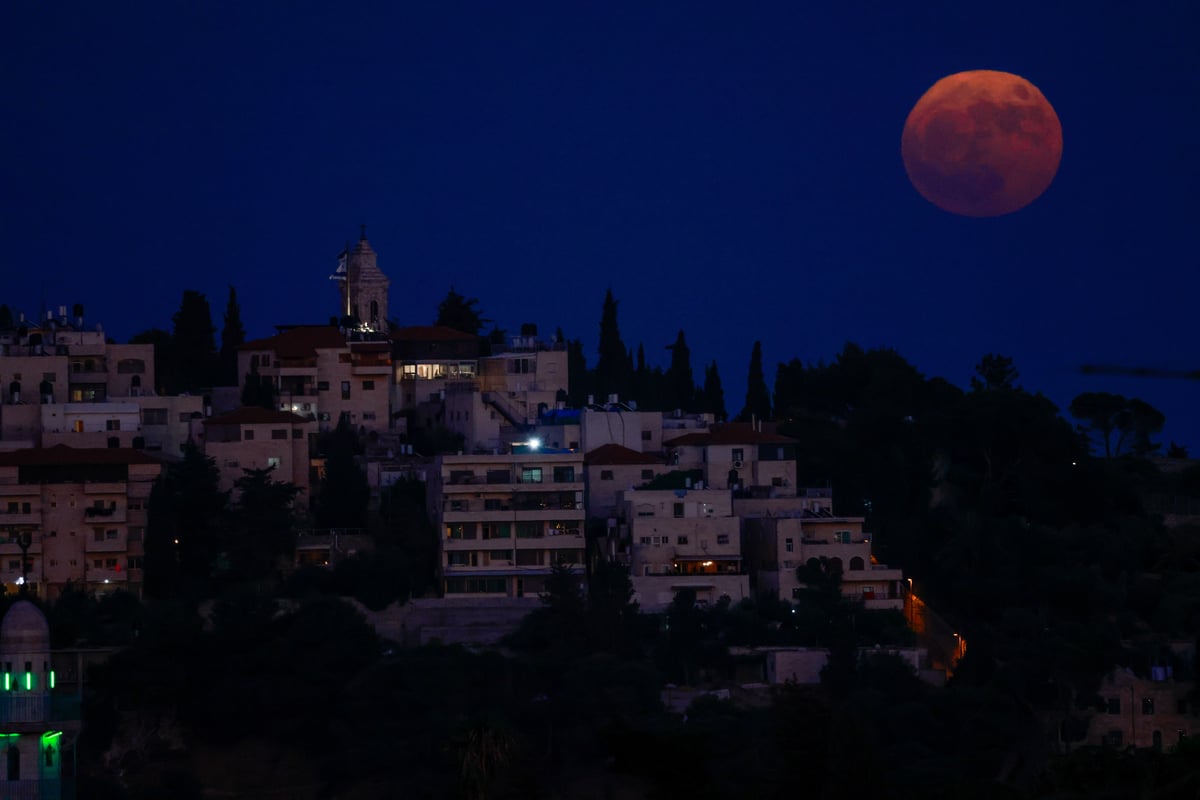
[[737, 465]]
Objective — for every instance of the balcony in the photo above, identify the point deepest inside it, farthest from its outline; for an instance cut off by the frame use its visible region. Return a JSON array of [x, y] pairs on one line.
[[104, 515]]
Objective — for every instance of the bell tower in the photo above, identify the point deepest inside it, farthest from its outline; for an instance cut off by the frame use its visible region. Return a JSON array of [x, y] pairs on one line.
[[363, 287]]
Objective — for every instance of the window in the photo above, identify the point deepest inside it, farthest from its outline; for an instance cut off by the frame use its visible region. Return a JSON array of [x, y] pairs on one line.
[[110, 563], [647, 474], [677, 510], [345, 390], [842, 537], [1147, 706], [322, 386], [529, 530], [606, 474], [13, 506], [272, 462], [98, 535], [248, 435], [137, 562], [1114, 705], [110, 534], [645, 436], [564, 474], [497, 530], [644, 540], [722, 538], [492, 504], [14, 564], [112, 425], [460, 531], [789, 545], [368, 415], [368, 385], [279, 433], [531, 474], [460, 505], [738, 454], [98, 563], [681, 540], [464, 558]]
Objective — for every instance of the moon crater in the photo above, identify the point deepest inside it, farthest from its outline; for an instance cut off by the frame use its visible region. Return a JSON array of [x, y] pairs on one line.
[[982, 143]]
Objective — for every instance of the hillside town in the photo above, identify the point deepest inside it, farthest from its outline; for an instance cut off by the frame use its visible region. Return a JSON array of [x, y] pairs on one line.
[[509, 488]]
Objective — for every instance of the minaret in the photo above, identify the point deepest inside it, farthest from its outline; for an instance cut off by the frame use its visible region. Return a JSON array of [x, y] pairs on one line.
[[33, 735], [364, 288]]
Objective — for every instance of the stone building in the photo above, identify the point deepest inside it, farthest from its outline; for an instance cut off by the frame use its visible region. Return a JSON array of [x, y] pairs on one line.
[[74, 516], [506, 520]]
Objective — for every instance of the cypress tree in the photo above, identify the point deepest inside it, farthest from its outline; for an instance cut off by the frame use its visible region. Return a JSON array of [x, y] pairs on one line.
[[233, 336], [714, 394], [680, 385], [758, 398], [612, 366]]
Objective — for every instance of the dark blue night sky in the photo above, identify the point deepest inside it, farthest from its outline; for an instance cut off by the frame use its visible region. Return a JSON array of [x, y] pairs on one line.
[[729, 169]]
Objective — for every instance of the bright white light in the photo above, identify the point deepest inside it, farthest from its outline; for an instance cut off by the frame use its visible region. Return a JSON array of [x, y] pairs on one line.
[[535, 443], [21, 581]]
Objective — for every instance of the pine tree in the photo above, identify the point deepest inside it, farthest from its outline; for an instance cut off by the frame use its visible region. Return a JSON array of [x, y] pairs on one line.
[[758, 398], [714, 395], [460, 313], [681, 386], [233, 336]]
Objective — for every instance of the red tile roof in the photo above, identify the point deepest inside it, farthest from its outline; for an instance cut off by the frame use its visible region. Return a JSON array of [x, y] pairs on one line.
[[615, 454], [62, 454], [430, 333], [729, 433], [300, 342], [254, 415]]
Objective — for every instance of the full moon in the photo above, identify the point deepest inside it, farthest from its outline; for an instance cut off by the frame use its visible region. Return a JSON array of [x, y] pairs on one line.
[[981, 143]]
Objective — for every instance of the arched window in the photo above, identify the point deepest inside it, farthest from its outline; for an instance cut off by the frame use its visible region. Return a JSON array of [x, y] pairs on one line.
[[14, 763], [136, 381], [835, 566], [374, 311], [856, 564]]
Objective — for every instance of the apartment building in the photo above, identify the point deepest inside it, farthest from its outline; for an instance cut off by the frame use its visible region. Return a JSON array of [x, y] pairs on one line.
[[522, 379], [59, 379], [680, 538], [781, 535], [260, 438], [505, 520], [74, 515], [324, 372], [612, 468], [738, 456]]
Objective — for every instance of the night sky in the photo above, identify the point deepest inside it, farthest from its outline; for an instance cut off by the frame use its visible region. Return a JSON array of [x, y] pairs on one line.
[[729, 169]]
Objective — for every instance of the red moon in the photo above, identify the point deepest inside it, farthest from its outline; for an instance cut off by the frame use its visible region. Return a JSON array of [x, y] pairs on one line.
[[981, 143]]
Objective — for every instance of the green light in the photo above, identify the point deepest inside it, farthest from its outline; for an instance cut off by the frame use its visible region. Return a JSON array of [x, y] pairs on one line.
[[8, 681], [29, 681], [51, 679], [46, 737]]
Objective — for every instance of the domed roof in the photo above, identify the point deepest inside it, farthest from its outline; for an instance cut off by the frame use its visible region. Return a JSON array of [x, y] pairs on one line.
[[24, 629]]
